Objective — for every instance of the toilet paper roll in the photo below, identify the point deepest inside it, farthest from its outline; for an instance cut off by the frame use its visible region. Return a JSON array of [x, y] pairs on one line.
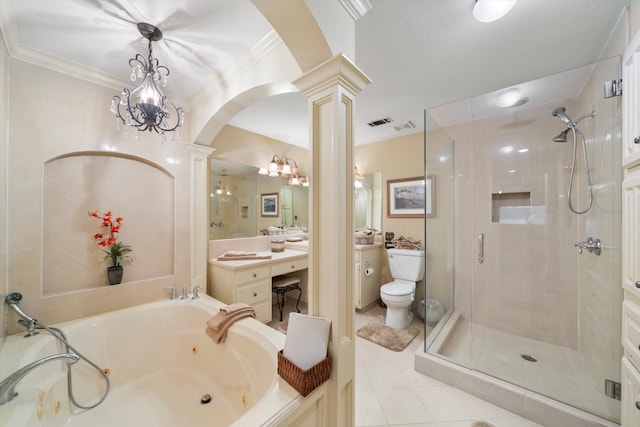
[[368, 271]]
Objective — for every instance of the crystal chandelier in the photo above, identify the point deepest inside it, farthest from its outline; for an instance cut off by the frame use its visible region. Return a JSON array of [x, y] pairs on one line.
[[146, 107]]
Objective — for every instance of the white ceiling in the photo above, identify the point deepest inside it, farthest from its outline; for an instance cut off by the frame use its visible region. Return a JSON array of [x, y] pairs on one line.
[[418, 53]]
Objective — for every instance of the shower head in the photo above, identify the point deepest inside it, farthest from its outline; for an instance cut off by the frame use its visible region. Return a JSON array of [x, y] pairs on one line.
[[12, 300], [562, 136], [560, 113]]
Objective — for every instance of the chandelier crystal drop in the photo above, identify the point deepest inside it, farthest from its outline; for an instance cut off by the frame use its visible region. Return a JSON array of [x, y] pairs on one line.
[[146, 107]]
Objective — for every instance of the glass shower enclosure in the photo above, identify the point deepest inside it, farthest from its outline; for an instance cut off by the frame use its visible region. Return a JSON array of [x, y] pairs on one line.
[[522, 302]]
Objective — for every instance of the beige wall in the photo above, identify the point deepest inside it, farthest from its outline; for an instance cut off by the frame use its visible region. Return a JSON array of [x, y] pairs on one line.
[[396, 158], [72, 117]]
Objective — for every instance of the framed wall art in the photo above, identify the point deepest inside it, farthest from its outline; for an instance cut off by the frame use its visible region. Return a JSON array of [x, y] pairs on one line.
[[269, 204], [411, 197]]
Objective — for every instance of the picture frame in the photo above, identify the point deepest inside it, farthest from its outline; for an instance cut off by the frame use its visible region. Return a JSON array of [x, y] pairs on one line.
[[411, 197], [269, 205]]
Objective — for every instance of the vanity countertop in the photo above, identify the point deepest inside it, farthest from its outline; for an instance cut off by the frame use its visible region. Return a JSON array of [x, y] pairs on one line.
[[286, 255], [365, 247], [304, 246]]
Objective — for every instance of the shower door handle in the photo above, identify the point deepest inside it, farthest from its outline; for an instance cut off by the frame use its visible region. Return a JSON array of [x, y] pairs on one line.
[[480, 248]]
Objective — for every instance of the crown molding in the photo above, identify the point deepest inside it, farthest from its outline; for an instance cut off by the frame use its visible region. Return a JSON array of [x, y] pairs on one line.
[[356, 8]]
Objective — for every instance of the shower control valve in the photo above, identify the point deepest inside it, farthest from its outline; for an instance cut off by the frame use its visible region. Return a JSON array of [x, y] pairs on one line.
[[592, 245]]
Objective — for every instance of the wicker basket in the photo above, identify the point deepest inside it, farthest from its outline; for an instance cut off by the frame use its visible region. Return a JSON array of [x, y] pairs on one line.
[[364, 238], [304, 381]]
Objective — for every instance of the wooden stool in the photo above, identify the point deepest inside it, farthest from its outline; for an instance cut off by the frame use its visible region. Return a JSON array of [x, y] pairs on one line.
[[280, 285]]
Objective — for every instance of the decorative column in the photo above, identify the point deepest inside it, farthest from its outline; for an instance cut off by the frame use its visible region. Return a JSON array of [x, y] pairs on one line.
[[199, 222], [331, 88]]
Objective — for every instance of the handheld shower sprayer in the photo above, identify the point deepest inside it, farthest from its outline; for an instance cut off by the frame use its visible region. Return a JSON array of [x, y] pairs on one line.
[[562, 137], [13, 299], [560, 113]]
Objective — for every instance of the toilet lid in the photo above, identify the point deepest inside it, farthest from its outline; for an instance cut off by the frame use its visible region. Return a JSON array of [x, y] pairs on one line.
[[397, 289]]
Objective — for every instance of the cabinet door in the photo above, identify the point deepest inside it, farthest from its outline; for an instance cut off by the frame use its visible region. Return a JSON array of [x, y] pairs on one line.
[[357, 285], [631, 103], [631, 232], [630, 394]]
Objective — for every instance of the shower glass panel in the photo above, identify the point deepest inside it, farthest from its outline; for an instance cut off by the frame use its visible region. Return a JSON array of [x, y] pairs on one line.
[[528, 307]]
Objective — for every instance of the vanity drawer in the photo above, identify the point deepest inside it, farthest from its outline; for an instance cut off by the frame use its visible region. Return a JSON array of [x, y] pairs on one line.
[[263, 311], [252, 274], [631, 331], [255, 293], [289, 266]]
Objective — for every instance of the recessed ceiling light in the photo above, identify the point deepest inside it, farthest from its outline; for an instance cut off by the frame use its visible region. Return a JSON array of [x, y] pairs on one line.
[[492, 10], [510, 98]]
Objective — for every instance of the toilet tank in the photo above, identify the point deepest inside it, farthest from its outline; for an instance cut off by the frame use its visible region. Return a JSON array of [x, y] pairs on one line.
[[406, 264]]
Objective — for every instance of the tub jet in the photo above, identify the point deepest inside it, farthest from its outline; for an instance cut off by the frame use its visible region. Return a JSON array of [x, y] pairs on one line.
[[206, 398]]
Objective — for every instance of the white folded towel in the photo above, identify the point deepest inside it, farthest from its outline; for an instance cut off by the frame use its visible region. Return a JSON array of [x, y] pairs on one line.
[[238, 253]]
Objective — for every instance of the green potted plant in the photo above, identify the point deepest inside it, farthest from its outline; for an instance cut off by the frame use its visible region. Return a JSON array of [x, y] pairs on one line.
[[116, 252]]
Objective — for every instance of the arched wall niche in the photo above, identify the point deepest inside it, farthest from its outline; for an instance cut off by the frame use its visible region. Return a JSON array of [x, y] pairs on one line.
[[140, 191]]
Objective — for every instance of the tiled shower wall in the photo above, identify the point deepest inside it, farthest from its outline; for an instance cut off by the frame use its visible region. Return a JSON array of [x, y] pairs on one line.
[[533, 282]]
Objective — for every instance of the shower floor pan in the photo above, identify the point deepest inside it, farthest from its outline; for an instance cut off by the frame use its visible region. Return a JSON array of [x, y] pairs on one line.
[[497, 366]]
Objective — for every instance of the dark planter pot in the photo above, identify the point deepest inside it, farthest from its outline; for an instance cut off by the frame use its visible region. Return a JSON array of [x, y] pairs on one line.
[[115, 274]]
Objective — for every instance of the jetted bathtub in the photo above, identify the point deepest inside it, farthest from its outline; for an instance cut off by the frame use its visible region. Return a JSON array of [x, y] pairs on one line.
[[161, 366]]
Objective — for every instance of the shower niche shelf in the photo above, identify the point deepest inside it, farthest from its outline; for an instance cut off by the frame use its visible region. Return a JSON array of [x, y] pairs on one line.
[[515, 208]]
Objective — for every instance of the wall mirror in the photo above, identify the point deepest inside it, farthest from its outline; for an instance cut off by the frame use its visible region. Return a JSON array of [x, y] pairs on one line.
[[368, 201], [235, 192]]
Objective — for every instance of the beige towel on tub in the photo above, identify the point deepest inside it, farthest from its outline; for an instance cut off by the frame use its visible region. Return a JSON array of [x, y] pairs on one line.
[[219, 324]]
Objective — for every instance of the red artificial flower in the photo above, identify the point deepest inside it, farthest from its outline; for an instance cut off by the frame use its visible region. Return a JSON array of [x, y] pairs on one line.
[[117, 251]]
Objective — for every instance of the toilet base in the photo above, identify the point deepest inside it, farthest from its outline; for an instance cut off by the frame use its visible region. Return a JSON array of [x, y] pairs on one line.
[[398, 318]]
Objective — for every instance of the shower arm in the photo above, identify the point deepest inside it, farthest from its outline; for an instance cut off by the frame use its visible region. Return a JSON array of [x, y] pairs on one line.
[[574, 124]]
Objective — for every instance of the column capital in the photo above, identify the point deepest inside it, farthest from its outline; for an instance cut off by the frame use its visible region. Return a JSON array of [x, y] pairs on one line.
[[337, 70]]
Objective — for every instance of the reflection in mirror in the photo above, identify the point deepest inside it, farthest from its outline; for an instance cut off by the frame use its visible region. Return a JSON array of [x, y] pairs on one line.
[[368, 201], [294, 205], [232, 200], [234, 208]]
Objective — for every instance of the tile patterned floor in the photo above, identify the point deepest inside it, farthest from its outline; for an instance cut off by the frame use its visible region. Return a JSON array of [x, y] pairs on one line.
[[389, 392]]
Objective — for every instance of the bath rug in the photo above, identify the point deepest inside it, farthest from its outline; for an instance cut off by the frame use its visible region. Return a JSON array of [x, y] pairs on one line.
[[481, 424], [392, 339]]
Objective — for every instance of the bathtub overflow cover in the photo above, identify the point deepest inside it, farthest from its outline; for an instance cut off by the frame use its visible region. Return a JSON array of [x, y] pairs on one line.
[[206, 398]]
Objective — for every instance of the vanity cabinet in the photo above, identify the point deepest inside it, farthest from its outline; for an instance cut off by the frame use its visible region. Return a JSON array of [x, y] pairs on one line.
[[631, 103], [366, 286], [630, 407], [250, 281], [250, 285]]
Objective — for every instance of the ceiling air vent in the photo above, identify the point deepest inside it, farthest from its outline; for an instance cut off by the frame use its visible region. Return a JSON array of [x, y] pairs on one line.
[[405, 125], [380, 122]]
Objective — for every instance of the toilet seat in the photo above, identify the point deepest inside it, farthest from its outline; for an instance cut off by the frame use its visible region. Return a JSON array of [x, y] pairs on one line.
[[397, 289]]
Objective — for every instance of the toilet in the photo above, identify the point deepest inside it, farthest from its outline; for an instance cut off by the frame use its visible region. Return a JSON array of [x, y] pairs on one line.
[[407, 267]]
